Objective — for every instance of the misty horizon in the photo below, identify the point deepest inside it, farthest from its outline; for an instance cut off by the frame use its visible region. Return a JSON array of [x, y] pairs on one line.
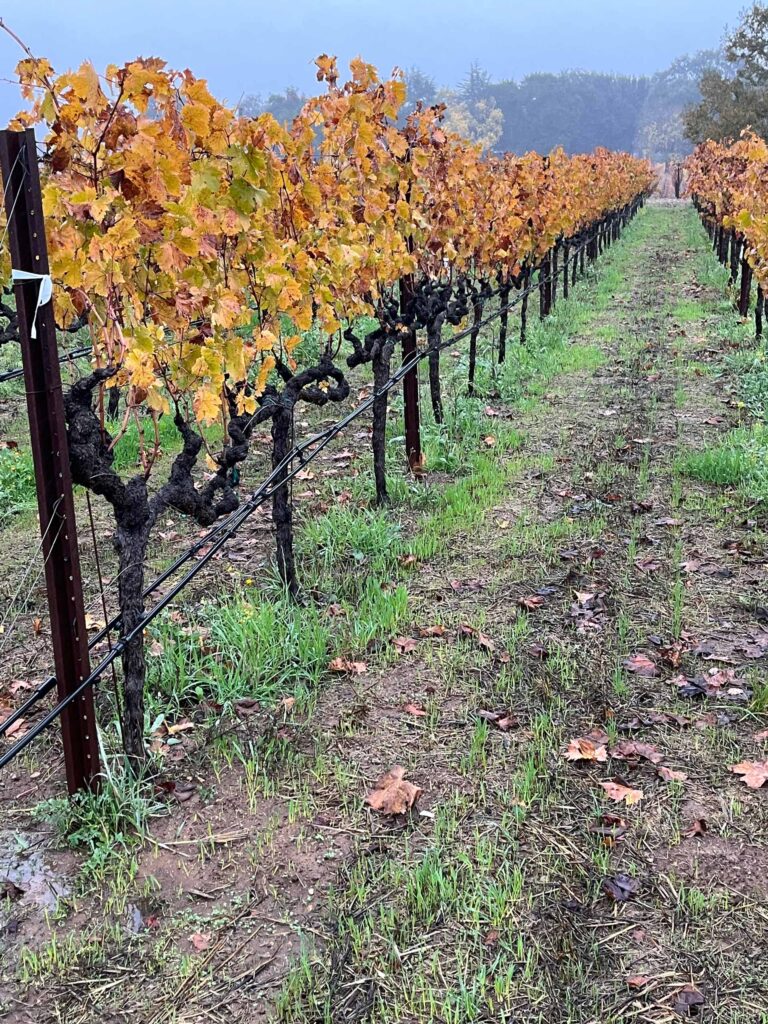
[[241, 51]]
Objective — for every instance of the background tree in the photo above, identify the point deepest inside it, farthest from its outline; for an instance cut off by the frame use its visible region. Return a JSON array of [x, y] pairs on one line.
[[472, 110], [661, 134], [577, 110], [735, 94], [283, 106], [419, 89]]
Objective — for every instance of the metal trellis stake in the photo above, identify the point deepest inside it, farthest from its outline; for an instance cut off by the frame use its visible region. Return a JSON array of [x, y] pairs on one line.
[[50, 451]]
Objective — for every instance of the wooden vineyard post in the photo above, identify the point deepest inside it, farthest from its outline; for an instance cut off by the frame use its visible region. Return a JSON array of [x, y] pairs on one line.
[[50, 451]]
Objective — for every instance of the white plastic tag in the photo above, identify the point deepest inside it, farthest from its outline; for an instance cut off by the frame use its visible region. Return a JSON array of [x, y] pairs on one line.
[[43, 295]]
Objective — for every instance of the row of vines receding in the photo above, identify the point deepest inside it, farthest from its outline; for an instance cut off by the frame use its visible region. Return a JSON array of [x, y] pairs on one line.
[[198, 248]]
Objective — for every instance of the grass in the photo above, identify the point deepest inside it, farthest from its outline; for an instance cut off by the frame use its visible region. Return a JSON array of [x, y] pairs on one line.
[[264, 651], [101, 823], [739, 461], [17, 484]]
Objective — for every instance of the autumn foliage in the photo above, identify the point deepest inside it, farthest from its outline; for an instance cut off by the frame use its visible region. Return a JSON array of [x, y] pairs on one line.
[[729, 181], [200, 248]]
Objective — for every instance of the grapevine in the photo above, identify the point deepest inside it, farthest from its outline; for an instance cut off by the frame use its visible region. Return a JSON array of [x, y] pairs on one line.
[[198, 247]]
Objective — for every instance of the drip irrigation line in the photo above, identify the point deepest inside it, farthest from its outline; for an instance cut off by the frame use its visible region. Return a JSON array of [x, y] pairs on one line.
[[218, 536]]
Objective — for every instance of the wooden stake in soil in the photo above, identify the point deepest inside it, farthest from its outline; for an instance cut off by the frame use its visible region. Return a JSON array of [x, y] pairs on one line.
[[50, 452]]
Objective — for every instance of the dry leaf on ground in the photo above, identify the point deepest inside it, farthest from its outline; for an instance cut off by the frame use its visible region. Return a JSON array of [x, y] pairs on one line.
[[353, 668], [393, 794], [200, 940], [405, 644], [415, 710], [428, 631], [621, 887], [482, 640], [618, 791], [754, 773], [641, 665], [631, 750], [696, 828], [585, 750]]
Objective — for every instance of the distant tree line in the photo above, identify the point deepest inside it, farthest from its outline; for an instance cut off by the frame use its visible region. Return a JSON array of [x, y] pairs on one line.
[[734, 95], [709, 94]]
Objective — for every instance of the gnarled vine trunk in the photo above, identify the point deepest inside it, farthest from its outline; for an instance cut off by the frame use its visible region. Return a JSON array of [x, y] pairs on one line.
[[134, 523], [282, 507], [434, 338], [477, 316], [504, 293], [381, 362]]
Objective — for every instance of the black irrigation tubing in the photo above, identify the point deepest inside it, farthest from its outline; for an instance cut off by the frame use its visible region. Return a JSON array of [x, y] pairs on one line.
[[221, 533]]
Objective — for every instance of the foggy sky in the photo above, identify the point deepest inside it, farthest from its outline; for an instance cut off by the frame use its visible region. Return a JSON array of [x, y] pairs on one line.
[[260, 47]]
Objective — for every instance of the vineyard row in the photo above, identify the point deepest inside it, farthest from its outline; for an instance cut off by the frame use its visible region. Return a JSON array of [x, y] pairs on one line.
[[224, 267]]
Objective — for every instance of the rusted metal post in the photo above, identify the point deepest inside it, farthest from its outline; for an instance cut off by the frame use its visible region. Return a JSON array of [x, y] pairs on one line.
[[50, 452]]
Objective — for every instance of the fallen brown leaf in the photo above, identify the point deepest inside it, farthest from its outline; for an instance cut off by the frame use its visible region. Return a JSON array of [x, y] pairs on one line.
[[611, 827], [482, 640], [754, 773], [353, 668], [631, 750], [393, 794], [640, 665], [427, 631], [696, 828], [617, 791], [503, 720], [405, 644], [621, 887], [686, 998], [638, 981], [648, 564], [668, 775], [415, 710], [200, 940], [585, 750]]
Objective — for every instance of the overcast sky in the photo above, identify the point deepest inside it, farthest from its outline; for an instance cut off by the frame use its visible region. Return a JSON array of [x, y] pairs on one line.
[[258, 47]]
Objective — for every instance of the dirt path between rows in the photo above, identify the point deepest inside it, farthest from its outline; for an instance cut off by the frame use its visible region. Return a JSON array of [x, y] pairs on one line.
[[605, 598]]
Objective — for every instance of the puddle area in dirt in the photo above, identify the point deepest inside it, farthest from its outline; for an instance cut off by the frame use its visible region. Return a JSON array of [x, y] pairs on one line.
[[29, 884]]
